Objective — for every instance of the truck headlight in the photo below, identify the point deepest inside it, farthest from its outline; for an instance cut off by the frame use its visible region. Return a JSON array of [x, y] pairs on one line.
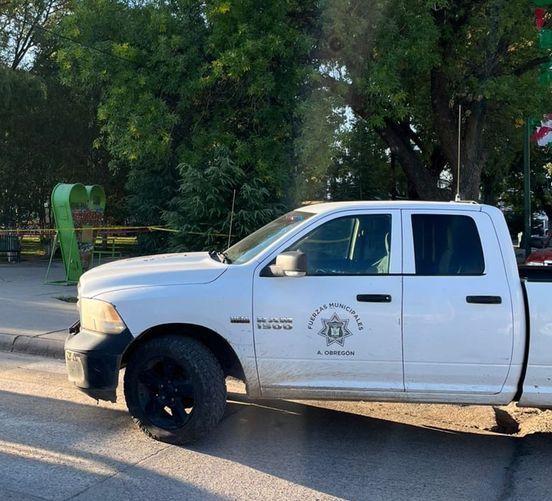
[[99, 316]]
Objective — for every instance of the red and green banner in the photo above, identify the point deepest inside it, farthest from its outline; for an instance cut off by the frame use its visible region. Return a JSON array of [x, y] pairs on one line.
[[543, 134], [542, 19]]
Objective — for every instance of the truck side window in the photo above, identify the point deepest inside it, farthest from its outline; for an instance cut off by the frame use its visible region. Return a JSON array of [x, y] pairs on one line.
[[447, 245], [353, 245]]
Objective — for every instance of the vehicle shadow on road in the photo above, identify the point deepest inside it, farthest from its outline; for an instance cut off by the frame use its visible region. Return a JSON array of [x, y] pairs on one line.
[[56, 449], [354, 456]]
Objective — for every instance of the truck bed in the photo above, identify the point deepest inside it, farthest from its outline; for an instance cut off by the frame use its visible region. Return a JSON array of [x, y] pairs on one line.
[[537, 384], [535, 273]]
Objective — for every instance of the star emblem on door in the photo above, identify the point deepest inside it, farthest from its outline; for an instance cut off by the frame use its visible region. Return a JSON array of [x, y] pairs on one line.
[[335, 330]]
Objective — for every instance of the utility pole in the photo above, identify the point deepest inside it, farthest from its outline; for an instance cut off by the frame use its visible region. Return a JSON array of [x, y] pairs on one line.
[[457, 197], [527, 187], [545, 42]]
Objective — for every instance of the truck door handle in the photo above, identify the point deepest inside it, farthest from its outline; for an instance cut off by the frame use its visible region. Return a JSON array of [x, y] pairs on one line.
[[374, 298], [484, 299]]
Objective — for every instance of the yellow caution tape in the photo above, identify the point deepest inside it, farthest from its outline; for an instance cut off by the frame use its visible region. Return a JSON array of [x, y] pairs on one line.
[[27, 231], [52, 231]]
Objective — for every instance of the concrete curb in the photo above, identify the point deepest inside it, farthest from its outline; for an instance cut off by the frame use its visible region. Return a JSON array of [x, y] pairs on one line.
[[32, 345]]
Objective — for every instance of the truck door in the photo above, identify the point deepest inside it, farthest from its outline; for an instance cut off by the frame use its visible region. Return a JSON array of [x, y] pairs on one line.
[[338, 327], [457, 309]]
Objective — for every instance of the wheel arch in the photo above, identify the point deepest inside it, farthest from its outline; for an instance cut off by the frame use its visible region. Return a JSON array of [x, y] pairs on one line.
[[212, 340]]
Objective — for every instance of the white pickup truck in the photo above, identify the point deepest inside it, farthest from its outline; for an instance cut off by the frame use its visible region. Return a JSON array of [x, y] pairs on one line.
[[389, 301]]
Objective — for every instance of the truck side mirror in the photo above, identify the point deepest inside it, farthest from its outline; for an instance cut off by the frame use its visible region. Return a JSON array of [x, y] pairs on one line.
[[288, 264]]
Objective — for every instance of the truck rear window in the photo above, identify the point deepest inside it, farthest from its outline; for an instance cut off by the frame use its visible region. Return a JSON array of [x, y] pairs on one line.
[[447, 245]]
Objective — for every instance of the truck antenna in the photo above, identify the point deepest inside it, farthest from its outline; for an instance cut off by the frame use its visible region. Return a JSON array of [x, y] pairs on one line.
[[457, 198], [231, 219]]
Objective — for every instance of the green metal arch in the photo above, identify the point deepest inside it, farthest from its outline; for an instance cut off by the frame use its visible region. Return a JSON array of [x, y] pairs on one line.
[[76, 206]]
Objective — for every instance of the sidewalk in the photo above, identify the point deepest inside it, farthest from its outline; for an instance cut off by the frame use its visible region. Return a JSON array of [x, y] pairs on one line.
[[33, 318]]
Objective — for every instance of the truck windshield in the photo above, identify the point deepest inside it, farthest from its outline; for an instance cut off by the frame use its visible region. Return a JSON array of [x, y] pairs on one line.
[[253, 244]]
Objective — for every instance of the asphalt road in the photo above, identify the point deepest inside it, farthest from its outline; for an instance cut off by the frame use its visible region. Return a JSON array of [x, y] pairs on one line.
[[57, 444]]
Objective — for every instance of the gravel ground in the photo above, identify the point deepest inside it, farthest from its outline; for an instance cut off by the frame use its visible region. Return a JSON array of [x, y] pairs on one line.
[[484, 419]]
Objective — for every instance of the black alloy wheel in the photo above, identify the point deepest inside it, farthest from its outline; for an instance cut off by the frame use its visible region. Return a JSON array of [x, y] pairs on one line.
[[166, 393], [175, 389]]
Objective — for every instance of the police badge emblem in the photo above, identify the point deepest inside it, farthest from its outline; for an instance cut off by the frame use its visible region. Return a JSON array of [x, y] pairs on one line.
[[335, 330]]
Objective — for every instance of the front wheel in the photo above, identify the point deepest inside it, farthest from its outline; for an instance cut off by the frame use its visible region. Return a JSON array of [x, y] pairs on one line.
[[175, 389]]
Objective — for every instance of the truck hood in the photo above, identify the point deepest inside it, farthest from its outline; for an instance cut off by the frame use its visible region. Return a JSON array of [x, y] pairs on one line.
[[150, 271]]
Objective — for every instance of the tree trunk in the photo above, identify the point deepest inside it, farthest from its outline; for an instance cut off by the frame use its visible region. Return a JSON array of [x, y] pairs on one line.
[[471, 144], [418, 175], [473, 154], [402, 141]]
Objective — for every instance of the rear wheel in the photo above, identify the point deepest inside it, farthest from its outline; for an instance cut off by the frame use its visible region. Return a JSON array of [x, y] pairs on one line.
[[175, 389]]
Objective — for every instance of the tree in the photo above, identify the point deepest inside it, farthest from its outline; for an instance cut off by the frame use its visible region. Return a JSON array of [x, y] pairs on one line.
[[340, 157], [405, 66], [46, 137], [260, 59], [23, 25], [46, 129], [202, 211], [181, 81], [143, 63], [363, 169]]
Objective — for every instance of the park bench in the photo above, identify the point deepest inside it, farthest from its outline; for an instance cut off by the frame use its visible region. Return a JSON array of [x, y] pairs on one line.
[[11, 247], [113, 245]]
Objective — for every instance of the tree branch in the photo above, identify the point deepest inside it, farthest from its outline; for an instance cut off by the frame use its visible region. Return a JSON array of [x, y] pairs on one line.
[[354, 99], [424, 183], [529, 65], [400, 138], [406, 129], [438, 161], [445, 16]]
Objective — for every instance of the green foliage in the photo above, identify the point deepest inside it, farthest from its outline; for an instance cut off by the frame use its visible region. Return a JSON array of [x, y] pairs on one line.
[[404, 66], [281, 101], [203, 209], [362, 169], [45, 138], [253, 79], [24, 28], [341, 158], [322, 117], [179, 81], [46, 129], [144, 63]]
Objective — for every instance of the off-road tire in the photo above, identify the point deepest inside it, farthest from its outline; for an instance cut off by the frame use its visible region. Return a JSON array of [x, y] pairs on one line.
[[206, 378]]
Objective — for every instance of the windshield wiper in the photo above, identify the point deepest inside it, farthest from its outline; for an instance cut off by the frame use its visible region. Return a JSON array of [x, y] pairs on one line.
[[221, 257]]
